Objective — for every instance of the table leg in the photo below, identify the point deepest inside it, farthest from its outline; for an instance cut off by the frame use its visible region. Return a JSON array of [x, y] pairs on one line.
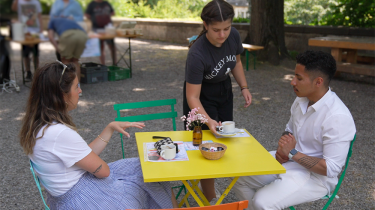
[[255, 58], [23, 68], [191, 191], [247, 60], [227, 190], [351, 57], [130, 59], [337, 54]]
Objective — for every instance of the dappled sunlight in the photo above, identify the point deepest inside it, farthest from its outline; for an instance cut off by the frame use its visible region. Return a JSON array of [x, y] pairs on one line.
[[20, 116], [288, 77], [135, 41], [4, 110], [255, 101], [109, 103], [354, 91], [84, 103], [173, 47], [266, 98], [142, 89]]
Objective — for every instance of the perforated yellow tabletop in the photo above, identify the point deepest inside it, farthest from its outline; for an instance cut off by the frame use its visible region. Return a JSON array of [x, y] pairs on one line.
[[245, 156]]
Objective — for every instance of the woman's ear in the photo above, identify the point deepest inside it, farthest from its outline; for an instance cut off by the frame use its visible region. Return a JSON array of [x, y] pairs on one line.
[[205, 25]]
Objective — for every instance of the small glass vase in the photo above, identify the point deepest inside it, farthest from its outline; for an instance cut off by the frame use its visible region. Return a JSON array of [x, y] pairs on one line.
[[197, 135]]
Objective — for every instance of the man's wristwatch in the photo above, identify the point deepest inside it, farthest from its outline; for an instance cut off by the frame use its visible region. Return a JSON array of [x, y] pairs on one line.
[[292, 153]]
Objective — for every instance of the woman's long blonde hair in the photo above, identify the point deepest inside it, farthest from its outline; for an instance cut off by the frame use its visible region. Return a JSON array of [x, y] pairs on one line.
[[46, 104]]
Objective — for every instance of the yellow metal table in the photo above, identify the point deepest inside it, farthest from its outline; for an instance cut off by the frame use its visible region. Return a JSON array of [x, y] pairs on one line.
[[245, 156]]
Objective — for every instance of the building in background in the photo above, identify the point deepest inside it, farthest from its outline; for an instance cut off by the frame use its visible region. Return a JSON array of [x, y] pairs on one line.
[[241, 8]]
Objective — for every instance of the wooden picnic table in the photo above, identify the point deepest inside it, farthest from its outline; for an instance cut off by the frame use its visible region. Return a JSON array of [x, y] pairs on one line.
[[350, 45], [28, 42], [125, 52]]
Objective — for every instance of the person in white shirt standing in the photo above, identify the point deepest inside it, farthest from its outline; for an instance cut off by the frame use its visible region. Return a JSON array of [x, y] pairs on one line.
[[314, 146], [30, 14]]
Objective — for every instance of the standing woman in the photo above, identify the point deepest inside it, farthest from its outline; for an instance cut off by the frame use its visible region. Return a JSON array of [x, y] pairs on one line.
[[212, 56], [71, 171]]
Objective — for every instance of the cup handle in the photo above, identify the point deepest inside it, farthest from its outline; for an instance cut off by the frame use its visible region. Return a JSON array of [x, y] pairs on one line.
[[162, 154], [221, 128]]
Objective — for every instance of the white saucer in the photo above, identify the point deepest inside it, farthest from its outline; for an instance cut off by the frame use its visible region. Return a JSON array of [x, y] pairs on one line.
[[221, 133]]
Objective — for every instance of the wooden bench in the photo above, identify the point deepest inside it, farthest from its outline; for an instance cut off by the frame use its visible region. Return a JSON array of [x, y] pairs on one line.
[[250, 49], [349, 45]]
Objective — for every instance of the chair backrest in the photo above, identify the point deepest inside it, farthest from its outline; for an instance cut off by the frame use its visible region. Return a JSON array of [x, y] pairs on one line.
[[240, 205], [145, 104], [333, 195], [38, 184]]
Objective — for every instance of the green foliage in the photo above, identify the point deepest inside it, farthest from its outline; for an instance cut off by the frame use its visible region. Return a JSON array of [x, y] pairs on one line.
[[306, 12], [241, 20], [162, 9], [357, 13], [169, 9], [6, 7]]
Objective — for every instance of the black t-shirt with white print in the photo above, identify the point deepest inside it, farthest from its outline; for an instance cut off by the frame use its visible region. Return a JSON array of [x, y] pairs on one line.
[[207, 63]]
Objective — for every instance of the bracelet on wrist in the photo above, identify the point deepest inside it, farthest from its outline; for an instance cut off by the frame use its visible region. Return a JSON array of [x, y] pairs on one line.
[[244, 87], [102, 139]]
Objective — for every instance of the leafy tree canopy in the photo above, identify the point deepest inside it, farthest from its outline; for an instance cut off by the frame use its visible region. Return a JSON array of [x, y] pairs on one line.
[[353, 13]]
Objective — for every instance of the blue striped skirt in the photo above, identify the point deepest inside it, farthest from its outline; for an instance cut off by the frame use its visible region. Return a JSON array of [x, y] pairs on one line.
[[122, 189]]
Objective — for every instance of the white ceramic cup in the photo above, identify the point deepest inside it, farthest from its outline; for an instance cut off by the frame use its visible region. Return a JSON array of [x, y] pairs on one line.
[[168, 151], [228, 127]]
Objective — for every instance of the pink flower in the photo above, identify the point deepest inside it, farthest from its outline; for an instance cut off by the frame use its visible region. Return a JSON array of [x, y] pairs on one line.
[[194, 119]]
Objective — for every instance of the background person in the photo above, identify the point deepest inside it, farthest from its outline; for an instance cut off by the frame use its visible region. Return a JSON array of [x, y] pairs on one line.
[[67, 9], [211, 57], [72, 41], [73, 174], [314, 146], [100, 12], [29, 13], [70, 9]]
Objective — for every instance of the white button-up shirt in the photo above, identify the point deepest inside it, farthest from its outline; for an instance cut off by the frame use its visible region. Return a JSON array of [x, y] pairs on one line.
[[323, 130]]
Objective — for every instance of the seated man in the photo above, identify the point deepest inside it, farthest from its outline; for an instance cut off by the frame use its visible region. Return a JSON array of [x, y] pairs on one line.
[[315, 143], [72, 41]]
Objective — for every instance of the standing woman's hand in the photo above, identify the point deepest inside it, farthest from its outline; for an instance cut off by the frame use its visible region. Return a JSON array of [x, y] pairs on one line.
[[212, 126], [121, 126], [247, 95]]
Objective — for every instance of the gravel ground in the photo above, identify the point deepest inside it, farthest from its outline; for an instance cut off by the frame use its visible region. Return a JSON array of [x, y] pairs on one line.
[[158, 73]]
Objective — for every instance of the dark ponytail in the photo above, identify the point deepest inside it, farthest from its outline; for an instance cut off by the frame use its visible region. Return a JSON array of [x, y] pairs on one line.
[[215, 11]]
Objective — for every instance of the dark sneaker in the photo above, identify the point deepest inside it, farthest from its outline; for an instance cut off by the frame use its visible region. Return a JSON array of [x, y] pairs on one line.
[[29, 76]]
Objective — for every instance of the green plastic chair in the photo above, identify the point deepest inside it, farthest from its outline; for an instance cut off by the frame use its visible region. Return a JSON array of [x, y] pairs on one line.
[[144, 104], [334, 194], [155, 116], [36, 178]]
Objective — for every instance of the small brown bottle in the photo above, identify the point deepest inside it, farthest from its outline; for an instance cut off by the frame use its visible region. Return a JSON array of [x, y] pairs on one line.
[[197, 136]]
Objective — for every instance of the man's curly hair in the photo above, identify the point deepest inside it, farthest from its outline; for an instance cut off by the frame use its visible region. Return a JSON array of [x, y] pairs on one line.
[[318, 62]]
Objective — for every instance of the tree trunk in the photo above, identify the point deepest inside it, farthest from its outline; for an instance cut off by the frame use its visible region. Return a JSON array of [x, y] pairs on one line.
[[267, 29]]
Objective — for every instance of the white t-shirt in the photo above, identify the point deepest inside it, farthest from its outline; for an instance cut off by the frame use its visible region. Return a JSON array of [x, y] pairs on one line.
[[54, 156], [324, 130], [28, 12]]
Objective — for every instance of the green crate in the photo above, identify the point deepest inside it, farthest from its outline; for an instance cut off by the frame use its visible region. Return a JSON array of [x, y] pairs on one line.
[[118, 73]]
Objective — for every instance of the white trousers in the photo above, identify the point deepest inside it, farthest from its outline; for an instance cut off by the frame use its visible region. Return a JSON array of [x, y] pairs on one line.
[[278, 191]]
